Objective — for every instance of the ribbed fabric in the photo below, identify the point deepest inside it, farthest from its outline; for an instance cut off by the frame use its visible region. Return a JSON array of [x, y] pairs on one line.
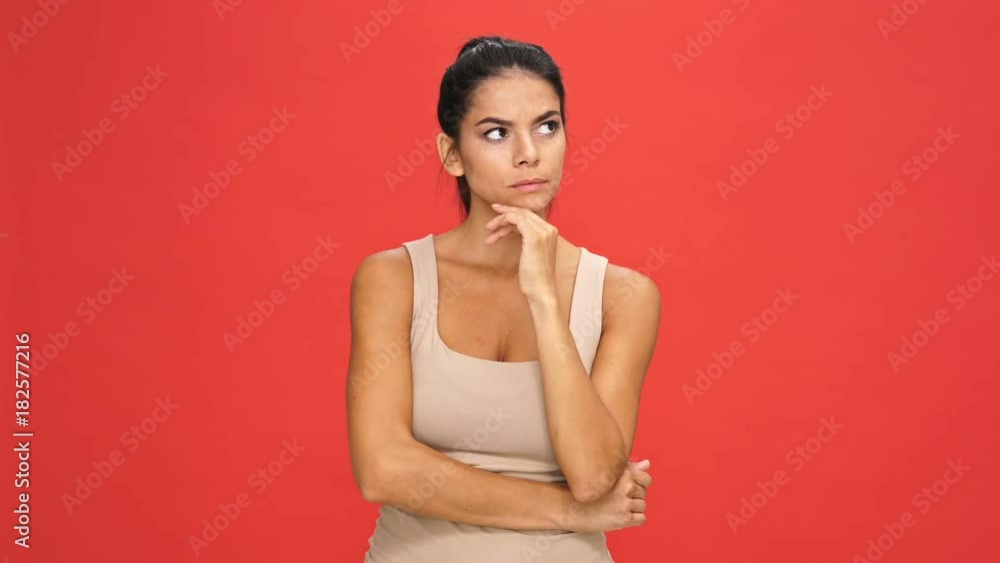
[[490, 415]]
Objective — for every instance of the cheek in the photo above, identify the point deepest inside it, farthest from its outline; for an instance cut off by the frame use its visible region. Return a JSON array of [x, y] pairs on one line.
[[556, 154], [488, 160], [556, 147]]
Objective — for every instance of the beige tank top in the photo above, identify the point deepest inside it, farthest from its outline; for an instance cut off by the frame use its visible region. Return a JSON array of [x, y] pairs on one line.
[[490, 415]]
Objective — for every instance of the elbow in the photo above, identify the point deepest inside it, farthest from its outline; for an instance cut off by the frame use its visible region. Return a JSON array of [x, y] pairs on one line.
[[593, 488], [371, 483], [380, 474], [370, 491], [585, 497], [589, 495], [592, 491]]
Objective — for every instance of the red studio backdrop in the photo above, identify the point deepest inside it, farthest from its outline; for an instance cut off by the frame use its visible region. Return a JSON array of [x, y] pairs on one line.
[[189, 187]]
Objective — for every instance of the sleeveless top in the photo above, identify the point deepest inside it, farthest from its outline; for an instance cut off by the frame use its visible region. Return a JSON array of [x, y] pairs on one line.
[[490, 415]]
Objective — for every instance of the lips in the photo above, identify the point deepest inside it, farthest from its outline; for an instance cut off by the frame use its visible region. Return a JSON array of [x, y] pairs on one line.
[[529, 186], [529, 182]]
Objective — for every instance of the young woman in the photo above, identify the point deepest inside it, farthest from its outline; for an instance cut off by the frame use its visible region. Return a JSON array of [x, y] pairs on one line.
[[496, 369]]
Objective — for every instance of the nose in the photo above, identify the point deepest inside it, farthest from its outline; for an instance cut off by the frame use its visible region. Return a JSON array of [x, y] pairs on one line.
[[526, 153]]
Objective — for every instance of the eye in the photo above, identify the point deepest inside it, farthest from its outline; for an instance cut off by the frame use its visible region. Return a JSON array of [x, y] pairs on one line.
[[554, 124], [491, 134]]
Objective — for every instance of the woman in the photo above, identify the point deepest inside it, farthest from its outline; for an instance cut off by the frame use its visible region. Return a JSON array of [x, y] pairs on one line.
[[482, 416]]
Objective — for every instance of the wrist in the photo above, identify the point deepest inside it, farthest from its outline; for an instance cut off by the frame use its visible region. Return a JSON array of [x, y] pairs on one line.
[[543, 302], [567, 514]]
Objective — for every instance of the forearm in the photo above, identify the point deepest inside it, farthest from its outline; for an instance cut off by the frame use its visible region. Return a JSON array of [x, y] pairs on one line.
[[585, 437], [420, 480]]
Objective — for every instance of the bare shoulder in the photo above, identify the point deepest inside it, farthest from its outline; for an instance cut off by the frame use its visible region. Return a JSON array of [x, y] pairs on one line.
[[388, 263], [629, 294], [384, 278]]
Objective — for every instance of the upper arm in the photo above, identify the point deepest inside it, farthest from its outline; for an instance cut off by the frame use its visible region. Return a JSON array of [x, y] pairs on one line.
[[379, 383], [631, 325]]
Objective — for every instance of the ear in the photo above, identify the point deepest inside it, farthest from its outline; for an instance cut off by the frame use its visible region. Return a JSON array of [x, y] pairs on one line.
[[452, 162]]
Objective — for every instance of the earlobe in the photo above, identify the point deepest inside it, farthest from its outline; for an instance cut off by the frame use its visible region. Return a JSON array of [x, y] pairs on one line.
[[452, 162]]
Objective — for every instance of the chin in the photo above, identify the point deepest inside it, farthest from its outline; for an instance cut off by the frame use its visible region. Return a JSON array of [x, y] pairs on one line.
[[534, 201]]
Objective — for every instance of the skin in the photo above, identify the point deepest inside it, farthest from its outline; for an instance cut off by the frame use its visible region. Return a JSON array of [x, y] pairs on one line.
[[518, 273]]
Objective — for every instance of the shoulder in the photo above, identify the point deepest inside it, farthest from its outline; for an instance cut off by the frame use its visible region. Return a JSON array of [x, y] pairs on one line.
[[385, 277], [629, 293], [382, 264], [384, 267]]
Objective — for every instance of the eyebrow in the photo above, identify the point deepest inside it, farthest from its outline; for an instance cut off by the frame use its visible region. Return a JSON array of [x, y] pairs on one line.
[[506, 123]]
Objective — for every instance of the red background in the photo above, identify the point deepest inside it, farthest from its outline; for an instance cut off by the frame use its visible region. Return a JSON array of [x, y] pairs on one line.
[[653, 187]]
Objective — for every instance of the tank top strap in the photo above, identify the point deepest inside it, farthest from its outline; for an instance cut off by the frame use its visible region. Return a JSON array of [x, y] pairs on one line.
[[587, 311], [425, 287]]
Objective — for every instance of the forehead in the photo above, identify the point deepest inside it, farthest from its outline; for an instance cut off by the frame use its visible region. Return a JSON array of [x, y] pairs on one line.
[[513, 96]]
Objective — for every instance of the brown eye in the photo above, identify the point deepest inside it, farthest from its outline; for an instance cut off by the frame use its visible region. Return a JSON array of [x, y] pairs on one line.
[[554, 124], [489, 134]]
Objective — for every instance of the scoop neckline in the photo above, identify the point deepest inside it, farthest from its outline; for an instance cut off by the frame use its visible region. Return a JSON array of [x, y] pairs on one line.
[[436, 287]]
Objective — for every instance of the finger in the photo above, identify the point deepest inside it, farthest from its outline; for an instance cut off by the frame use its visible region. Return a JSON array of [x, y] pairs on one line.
[[638, 519], [533, 221], [637, 505], [643, 465], [504, 208], [530, 223], [498, 234], [638, 491], [535, 225], [499, 219], [512, 219], [642, 478]]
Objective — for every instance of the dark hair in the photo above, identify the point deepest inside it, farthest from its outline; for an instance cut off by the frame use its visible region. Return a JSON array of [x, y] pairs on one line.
[[480, 59]]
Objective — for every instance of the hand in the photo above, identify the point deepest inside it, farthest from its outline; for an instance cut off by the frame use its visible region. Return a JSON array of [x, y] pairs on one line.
[[539, 240], [623, 507]]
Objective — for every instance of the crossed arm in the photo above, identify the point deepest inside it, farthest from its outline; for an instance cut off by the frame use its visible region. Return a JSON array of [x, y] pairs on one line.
[[592, 418], [388, 463]]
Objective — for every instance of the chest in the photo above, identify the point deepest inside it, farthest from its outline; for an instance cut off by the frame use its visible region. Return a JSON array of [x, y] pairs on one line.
[[492, 319]]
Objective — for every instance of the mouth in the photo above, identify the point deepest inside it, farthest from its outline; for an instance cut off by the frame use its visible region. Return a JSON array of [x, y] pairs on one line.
[[532, 185]]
